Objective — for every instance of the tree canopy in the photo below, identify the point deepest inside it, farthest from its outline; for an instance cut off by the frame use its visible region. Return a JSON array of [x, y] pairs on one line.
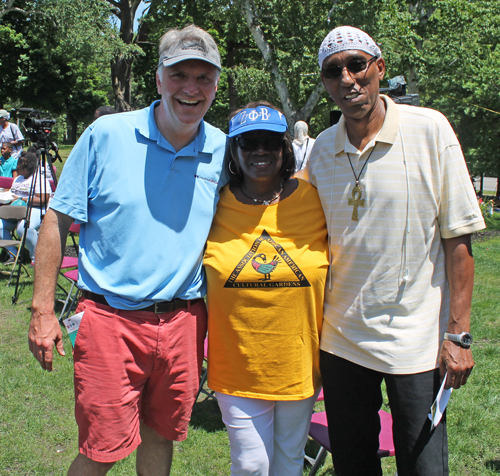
[[70, 56]]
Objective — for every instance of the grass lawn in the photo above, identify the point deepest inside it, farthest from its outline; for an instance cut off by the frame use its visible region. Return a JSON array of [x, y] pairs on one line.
[[38, 435]]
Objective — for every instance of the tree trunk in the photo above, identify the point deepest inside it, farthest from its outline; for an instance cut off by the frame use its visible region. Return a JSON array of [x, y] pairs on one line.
[[121, 77], [233, 97], [291, 113], [72, 128], [412, 80], [121, 66], [420, 11]]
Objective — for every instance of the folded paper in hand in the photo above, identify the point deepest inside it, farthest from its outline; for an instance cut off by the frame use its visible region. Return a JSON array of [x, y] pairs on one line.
[[439, 405]]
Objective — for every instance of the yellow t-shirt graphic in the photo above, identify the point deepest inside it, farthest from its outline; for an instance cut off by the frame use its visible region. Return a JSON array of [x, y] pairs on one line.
[[285, 273]]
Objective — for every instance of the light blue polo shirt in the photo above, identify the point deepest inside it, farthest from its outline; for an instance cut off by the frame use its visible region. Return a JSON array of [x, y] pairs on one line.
[[145, 210]]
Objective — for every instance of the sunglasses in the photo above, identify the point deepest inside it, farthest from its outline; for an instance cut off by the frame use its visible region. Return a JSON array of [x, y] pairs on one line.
[[250, 144], [354, 67]]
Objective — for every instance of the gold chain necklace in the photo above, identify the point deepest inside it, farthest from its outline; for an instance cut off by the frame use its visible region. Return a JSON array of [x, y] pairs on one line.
[[356, 200]]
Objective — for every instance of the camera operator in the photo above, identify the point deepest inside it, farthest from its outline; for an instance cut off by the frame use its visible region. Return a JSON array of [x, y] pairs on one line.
[[10, 133]]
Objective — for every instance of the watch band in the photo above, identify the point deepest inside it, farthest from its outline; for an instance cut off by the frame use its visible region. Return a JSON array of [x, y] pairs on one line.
[[464, 339]]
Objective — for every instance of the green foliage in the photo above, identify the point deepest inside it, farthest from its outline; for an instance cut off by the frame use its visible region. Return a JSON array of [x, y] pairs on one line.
[[492, 220], [11, 56], [64, 49], [448, 51]]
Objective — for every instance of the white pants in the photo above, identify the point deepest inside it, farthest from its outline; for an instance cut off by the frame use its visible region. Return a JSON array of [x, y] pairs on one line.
[[267, 438]]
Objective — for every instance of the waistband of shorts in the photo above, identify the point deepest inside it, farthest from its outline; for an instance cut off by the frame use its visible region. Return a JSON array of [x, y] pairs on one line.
[[161, 307]]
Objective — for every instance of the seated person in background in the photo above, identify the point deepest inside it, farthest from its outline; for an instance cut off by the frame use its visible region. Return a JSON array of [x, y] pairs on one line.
[[10, 133], [8, 164], [21, 190]]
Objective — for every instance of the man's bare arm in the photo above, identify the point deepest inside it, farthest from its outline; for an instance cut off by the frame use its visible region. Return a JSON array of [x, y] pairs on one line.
[[455, 360], [44, 330]]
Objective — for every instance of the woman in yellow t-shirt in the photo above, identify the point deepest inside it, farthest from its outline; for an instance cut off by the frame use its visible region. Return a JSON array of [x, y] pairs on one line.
[[266, 264]]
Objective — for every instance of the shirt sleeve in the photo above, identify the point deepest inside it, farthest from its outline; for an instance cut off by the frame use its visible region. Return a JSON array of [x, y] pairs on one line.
[[17, 133], [459, 212], [72, 193]]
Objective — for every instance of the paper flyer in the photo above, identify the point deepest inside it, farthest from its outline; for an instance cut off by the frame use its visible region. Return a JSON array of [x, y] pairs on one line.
[[72, 324], [439, 405]]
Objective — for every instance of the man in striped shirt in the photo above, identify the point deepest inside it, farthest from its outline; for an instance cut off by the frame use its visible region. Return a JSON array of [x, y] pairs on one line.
[[400, 209]]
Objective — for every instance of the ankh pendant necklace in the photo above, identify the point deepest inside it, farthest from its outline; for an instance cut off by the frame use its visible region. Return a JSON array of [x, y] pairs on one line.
[[356, 200]]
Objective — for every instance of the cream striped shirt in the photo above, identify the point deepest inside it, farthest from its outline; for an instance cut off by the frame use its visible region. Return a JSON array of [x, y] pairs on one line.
[[386, 307]]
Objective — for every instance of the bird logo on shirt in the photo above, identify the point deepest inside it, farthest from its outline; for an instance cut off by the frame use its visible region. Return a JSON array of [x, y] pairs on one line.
[[263, 267]]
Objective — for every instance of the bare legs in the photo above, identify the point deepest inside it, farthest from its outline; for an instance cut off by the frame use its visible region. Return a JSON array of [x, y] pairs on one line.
[[154, 457], [154, 454]]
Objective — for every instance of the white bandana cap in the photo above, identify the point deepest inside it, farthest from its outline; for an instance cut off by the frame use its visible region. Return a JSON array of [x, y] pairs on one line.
[[345, 38]]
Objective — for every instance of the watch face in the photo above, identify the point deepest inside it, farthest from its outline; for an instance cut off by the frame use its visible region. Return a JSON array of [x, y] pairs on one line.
[[466, 339]]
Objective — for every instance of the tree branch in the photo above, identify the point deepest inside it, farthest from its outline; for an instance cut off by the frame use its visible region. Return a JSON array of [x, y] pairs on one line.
[[330, 13], [26, 13], [253, 23], [115, 4], [306, 111]]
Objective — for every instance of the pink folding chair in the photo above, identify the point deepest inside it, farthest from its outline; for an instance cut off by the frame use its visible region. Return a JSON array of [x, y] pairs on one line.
[[71, 261], [318, 431]]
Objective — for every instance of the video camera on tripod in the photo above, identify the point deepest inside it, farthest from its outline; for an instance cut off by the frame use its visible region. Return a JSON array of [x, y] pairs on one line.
[[38, 127], [43, 180], [397, 92]]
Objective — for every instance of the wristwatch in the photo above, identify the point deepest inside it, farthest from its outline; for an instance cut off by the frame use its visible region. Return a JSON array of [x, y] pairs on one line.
[[463, 340]]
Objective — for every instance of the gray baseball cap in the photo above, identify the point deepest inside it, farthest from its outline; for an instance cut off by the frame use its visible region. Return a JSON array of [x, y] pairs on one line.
[[191, 49]]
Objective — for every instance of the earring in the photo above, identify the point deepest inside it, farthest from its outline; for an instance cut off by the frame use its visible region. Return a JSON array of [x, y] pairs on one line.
[[234, 173]]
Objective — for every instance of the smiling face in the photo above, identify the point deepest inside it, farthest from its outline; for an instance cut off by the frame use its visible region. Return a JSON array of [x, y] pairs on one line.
[[356, 94], [187, 90], [260, 164]]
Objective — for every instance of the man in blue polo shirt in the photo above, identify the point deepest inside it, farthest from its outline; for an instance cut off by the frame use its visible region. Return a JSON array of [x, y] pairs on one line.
[[144, 186]]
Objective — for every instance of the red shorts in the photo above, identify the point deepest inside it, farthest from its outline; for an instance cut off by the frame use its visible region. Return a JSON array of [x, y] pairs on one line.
[[131, 366]]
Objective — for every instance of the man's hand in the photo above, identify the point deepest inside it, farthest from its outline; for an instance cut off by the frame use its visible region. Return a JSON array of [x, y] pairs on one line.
[[44, 333], [457, 361], [44, 329]]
